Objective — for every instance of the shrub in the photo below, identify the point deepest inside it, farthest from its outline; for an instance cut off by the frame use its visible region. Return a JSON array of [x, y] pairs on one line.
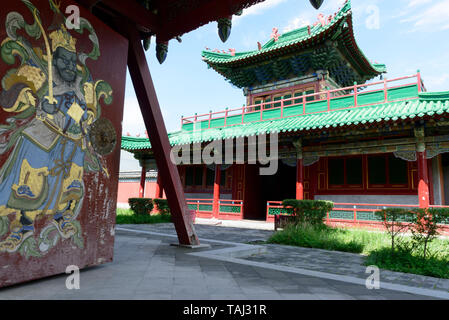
[[425, 229], [141, 206], [396, 221], [309, 211], [162, 206]]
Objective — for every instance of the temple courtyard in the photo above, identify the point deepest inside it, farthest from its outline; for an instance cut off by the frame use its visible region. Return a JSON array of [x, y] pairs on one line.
[[232, 264]]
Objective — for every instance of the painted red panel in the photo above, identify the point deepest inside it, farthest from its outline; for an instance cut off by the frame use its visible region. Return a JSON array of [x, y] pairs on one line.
[[60, 129]]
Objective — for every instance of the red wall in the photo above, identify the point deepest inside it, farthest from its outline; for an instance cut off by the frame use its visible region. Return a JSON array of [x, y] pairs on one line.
[[131, 190]]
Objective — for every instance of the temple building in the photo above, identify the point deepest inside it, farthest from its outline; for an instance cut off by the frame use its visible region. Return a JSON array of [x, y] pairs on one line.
[[345, 133]]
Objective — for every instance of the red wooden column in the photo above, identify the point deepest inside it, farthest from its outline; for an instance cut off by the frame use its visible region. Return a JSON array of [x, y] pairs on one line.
[[423, 172], [159, 192], [299, 171], [154, 123], [217, 181], [299, 179], [423, 180], [142, 182]]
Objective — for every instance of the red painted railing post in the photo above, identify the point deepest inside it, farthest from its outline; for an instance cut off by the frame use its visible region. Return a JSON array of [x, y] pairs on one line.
[[328, 101], [355, 214], [282, 108], [210, 118], [303, 106], [243, 113], [355, 94], [419, 81], [385, 90], [226, 116]]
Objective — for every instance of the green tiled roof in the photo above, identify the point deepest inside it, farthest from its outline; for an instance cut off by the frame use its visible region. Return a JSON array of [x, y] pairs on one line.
[[428, 104], [296, 42]]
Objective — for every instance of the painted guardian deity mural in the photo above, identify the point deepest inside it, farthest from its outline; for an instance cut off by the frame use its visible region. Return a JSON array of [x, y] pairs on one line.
[[55, 133]]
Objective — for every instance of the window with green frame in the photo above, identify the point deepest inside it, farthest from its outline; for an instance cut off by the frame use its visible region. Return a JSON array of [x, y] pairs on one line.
[[257, 102], [298, 94], [268, 105], [287, 96], [311, 98], [277, 104]]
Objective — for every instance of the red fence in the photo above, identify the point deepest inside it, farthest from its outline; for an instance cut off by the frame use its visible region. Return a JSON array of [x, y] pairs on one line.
[[349, 214], [337, 99], [227, 209]]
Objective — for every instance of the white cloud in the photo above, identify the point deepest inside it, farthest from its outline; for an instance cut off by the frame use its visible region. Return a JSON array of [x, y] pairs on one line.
[[433, 18], [416, 3], [438, 82], [257, 9], [132, 118], [298, 22]]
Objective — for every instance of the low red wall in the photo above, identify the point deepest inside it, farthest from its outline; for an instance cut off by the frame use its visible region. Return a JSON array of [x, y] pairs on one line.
[[128, 190]]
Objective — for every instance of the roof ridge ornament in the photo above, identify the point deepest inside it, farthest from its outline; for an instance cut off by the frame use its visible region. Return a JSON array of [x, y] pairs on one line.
[[275, 34]]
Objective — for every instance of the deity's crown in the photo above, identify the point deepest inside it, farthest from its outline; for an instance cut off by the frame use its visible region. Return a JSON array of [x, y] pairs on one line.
[[62, 38]]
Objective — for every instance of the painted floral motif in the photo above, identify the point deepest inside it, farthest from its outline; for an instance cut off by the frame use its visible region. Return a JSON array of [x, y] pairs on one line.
[[54, 102]]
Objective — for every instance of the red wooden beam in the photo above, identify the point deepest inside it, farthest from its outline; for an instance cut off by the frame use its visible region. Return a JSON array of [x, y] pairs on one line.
[[128, 11], [154, 123], [190, 20]]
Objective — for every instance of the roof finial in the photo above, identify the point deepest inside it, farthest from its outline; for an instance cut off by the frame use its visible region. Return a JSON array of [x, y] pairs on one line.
[[224, 28], [316, 3]]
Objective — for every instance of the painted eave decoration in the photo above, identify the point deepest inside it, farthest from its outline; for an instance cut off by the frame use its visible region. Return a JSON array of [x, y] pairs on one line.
[[330, 44]]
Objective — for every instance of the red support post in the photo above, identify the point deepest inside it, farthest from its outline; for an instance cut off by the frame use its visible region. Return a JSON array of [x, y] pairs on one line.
[[385, 91], [154, 123], [216, 200], [299, 179], [423, 180], [142, 182], [355, 94], [159, 192], [328, 101]]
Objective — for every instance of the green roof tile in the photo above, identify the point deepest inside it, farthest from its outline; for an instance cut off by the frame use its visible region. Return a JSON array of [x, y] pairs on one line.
[[292, 42], [426, 105]]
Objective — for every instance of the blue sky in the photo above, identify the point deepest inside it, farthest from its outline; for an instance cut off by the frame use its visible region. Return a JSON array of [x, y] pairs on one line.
[[406, 35]]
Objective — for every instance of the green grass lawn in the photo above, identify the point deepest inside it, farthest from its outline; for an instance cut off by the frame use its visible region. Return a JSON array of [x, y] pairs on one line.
[[375, 245], [126, 216]]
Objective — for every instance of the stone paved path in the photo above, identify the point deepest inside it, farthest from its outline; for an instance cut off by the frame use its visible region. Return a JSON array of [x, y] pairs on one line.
[[146, 266]]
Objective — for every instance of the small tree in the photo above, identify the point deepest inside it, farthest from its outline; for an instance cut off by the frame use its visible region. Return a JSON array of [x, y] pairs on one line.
[[162, 206], [141, 206], [395, 221], [425, 229], [309, 211]]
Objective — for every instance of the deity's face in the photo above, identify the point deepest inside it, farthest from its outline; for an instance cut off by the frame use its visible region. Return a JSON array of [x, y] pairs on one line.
[[65, 63]]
